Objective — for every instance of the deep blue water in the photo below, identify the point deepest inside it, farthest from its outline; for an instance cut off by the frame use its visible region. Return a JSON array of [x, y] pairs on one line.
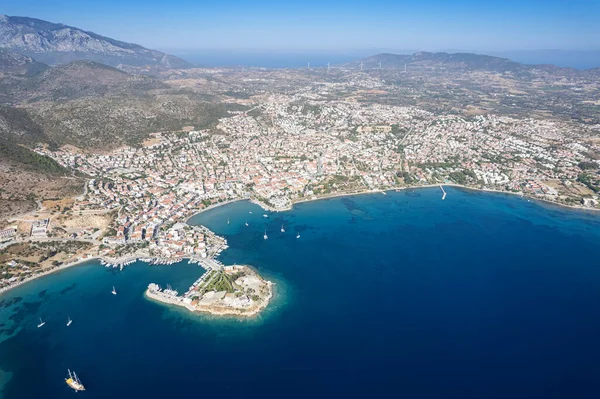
[[404, 295]]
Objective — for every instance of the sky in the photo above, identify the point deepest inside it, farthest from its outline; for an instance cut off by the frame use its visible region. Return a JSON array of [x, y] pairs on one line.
[[330, 25]]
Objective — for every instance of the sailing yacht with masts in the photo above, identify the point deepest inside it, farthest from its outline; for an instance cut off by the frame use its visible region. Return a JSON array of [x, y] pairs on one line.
[[114, 291], [41, 323], [265, 236], [69, 321], [73, 382], [282, 229]]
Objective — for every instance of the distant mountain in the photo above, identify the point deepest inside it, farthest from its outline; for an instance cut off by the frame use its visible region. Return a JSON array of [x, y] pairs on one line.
[[55, 44], [465, 61]]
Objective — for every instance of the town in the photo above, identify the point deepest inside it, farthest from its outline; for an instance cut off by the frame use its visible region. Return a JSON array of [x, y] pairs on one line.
[[282, 148]]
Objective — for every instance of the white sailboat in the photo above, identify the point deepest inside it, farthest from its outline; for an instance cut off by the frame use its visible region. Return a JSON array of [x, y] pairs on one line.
[[114, 291], [69, 321], [246, 223], [250, 212], [265, 215], [282, 229], [73, 382], [227, 220], [265, 236], [41, 323], [298, 235]]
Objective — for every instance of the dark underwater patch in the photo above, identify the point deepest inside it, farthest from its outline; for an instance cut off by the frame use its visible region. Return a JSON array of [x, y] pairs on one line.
[[69, 288]]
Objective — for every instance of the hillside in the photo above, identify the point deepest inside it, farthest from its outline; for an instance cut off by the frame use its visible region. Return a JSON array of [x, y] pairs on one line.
[[14, 63], [75, 80], [467, 61], [16, 126], [94, 106], [54, 44], [26, 176]]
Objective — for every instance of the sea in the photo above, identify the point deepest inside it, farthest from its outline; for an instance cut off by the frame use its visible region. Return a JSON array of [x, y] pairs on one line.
[[404, 295]]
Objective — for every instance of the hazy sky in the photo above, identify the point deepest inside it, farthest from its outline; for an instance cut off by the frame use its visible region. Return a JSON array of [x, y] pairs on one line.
[[332, 24]]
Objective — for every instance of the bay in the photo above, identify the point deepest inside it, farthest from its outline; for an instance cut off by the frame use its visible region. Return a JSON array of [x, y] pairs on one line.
[[405, 295]]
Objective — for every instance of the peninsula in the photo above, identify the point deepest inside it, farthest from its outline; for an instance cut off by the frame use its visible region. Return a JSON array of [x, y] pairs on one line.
[[223, 290]]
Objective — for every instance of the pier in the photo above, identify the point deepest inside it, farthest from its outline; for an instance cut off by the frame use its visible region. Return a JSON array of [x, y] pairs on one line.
[[443, 196], [210, 264]]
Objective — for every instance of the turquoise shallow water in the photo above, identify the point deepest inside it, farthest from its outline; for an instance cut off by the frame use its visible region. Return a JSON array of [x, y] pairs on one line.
[[404, 295]]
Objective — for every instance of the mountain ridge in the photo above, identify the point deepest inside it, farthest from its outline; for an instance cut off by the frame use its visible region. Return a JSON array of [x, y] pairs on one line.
[[55, 43], [466, 61]]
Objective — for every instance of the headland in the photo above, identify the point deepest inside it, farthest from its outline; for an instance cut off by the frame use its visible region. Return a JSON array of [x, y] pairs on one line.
[[235, 290]]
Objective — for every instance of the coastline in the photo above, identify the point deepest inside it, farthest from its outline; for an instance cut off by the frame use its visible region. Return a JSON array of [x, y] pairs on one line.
[[304, 200], [187, 219], [47, 272], [523, 195], [488, 190], [76, 263]]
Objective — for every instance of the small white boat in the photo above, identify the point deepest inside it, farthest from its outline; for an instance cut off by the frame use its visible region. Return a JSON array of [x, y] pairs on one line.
[[73, 382], [227, 220], [114, 291], [250, 212], [41, 323], [265, 236], [282, 229], [265, 215], [69, 321], [246, 223], [298, 235]]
